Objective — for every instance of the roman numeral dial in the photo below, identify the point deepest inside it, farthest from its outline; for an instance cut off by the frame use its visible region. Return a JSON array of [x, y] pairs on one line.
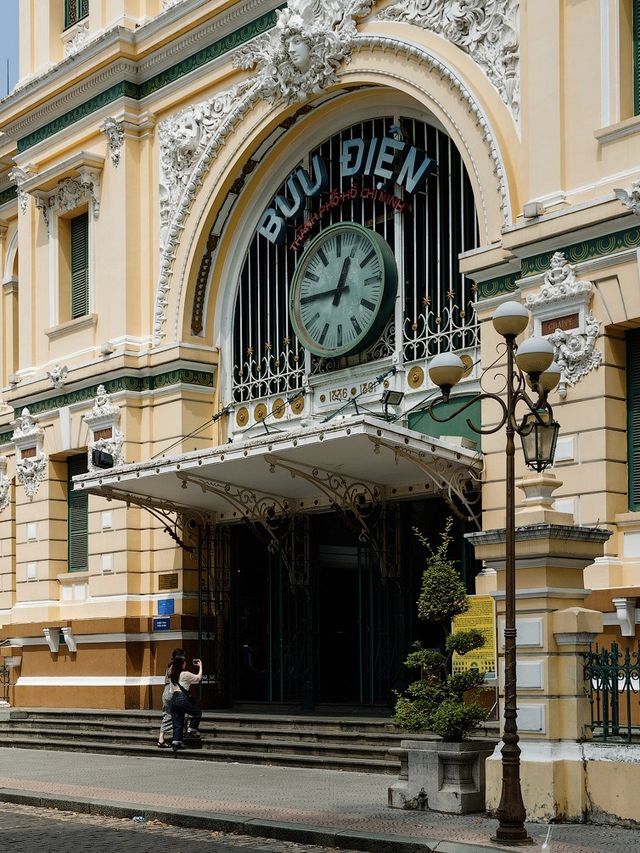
[[343, 290]]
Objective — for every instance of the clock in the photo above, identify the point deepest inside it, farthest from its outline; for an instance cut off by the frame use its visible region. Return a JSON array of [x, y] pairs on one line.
[[343, 290]]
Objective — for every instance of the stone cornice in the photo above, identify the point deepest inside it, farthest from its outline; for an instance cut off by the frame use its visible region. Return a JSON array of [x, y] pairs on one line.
[[143, 77]]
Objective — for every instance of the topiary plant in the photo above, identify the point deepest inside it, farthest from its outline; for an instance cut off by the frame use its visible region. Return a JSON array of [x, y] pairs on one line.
[[436, 702]]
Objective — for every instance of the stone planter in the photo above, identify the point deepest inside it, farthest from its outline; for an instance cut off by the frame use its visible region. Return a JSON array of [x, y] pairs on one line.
[[442, 777]]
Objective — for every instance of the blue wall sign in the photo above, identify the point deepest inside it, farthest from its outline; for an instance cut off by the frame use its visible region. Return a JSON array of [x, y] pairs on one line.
[[166, 606], [161, 623]]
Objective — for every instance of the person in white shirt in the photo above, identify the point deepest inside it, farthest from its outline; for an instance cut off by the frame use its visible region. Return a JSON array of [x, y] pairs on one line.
[[181, 680]]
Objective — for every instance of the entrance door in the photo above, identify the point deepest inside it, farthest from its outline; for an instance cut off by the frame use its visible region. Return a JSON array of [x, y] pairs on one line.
[[339, 647]]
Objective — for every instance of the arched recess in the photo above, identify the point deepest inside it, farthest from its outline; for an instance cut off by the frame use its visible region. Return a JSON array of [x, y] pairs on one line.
[[414, 72]]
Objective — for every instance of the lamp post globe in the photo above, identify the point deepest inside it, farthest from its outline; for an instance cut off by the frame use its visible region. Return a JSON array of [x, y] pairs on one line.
[[510, 319], [534, 356], [550, 377], [446, 370]]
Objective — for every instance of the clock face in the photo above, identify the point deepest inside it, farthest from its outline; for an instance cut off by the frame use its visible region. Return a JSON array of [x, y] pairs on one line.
[[343, 290]]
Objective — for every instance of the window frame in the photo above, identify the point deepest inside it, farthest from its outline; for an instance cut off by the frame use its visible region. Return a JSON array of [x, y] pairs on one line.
[[74, 12]]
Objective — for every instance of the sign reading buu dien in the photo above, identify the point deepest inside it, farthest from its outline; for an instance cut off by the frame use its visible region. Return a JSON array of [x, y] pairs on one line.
[[480, 615]]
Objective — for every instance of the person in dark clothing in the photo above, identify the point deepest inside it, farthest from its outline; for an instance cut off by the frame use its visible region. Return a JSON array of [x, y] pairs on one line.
[[181, 680]]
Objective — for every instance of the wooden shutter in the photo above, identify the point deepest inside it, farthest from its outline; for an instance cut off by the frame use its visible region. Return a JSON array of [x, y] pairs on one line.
[[78, 517], [80, 266], [633, 417]]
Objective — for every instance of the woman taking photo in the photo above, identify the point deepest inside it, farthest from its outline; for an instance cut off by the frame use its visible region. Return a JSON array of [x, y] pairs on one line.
[[181, 680]]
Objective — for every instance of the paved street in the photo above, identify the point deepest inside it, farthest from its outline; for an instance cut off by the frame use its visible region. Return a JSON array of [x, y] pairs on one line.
[[26, 830], [257, 800]]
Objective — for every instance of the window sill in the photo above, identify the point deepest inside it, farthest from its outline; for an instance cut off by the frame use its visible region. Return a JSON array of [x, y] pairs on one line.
[[628, 127], [72, 577], [86, 322]]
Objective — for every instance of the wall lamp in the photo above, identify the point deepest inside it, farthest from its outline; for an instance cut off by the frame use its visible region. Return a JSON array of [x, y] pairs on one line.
[[391, 398]]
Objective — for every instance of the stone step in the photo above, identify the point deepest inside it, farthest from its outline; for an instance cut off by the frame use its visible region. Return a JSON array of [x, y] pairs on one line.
[[293, 759], [211, 742], [218, 730]]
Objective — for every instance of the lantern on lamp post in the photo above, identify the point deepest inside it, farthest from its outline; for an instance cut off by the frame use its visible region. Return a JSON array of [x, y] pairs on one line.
[[528, 365]]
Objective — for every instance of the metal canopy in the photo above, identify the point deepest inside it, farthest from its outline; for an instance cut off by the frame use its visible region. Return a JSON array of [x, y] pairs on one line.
[[347, 465]]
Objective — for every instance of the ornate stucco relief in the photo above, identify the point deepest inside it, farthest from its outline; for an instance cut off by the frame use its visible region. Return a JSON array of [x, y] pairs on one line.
[[70, 194], [169, 4], [114, 131], [630, 199], [57, 375], [488, 30], [18, 176], [5, 484], [31, 466], [183, 139], [103, 422], [295, 60], [79, 38], [300, 56], [562, 294]]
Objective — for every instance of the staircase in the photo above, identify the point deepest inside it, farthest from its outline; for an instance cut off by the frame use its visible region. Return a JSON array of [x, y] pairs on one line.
[[359, 744]]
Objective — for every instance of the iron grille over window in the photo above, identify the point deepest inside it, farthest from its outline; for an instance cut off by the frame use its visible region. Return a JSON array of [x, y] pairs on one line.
[[427, 233], [74, 11]]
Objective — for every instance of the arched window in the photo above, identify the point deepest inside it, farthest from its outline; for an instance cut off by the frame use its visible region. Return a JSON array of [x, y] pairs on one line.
[[427, 232]]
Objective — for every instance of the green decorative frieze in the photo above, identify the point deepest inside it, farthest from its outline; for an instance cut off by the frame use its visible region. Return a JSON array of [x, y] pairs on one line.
[[8, 194], [5, 437], [207, 54], [600, 247], [135, 384], [497, 286], [120, 90], [126, 89]]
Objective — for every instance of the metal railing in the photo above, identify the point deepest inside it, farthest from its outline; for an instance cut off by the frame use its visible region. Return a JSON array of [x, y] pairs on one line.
[[5, 673], [613, 679]]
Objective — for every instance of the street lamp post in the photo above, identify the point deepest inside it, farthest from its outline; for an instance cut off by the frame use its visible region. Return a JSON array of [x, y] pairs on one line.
[[529, 364]]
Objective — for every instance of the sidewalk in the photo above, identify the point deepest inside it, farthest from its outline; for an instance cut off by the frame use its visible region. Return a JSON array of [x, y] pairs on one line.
[[325, 807]]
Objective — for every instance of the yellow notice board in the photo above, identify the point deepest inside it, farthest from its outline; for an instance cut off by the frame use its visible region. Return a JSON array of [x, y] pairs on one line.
[[482, 616]]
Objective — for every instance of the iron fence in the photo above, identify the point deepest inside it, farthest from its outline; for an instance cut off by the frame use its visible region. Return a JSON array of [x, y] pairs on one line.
[[4, 682], [613, 679]]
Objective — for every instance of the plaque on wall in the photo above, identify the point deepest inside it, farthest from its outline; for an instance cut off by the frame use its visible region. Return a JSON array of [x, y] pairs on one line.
[[168, 581], [569, 321]]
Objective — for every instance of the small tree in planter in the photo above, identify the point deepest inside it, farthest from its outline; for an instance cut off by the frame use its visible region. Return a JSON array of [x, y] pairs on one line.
[[436, 702]]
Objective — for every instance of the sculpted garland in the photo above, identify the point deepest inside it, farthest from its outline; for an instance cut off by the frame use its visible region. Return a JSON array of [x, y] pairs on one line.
[[298, 58], [485, 29], [574, 350]]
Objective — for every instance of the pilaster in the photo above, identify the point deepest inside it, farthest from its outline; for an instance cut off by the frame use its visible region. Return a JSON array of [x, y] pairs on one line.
[[554, 629]]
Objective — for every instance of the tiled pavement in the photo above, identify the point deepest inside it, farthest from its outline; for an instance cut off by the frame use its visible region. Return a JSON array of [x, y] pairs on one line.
[[265, 800]]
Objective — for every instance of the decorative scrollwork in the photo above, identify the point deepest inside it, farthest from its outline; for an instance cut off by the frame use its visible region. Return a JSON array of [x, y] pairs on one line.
[[300, 56], [630, 199], [485, 29]]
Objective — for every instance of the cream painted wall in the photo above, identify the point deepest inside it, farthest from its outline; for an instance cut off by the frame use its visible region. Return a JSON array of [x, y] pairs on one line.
[[569, 151]]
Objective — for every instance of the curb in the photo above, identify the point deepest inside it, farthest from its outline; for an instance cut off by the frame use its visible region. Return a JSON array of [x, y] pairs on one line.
[[323, 836]]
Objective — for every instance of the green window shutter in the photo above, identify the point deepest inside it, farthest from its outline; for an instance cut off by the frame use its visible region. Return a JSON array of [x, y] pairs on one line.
[[636, 57], [80, 266], [78, 517], [74, 11], [633, 417]]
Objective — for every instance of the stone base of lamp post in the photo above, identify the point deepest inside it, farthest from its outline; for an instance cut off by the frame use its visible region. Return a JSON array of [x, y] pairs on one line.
[[441, 777]]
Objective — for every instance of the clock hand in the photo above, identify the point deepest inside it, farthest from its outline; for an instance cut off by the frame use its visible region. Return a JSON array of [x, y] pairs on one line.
[[341, 281], [320, 295]]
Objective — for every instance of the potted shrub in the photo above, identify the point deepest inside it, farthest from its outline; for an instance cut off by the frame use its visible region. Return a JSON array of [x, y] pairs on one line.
[[446, 774]]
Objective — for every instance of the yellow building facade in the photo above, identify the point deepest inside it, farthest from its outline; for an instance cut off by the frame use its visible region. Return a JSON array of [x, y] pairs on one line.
[[168, 168]]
